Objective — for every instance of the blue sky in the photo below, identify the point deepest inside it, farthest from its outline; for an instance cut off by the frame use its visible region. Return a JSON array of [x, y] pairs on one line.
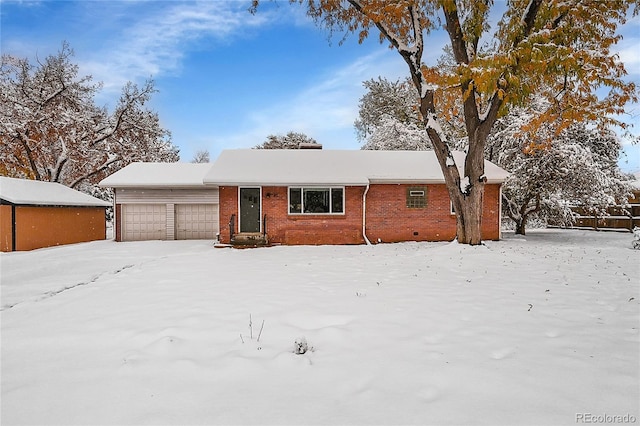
[[226, 78]]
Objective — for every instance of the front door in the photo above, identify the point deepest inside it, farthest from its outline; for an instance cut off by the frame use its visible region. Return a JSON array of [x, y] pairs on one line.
[[249, 209]]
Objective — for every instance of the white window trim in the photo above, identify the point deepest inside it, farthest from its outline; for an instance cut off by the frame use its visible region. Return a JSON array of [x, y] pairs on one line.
[[452, 212], [302, 212]]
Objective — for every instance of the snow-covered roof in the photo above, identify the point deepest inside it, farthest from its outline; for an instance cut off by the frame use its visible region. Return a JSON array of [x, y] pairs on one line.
[[635, 184], [181, 175], [332, 167], [33, 192]]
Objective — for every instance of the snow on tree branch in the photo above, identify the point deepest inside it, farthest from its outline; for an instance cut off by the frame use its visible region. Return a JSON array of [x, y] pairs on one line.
[[51, 128]]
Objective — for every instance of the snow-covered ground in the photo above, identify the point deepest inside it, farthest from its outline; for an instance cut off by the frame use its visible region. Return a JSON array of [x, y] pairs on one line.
[[534, 330]]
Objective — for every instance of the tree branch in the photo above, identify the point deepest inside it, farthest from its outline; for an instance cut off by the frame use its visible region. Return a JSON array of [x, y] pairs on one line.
[[497, 98], [109, 161], [459, 46], [24, 142]]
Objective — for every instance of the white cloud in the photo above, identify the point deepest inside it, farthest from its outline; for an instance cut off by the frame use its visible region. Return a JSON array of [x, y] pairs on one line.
[[627, 48], [156, 43], [325, 111]]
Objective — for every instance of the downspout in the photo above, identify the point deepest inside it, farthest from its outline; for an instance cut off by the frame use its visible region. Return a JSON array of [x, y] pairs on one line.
[[500, 213], [114, 220], [364, 215]]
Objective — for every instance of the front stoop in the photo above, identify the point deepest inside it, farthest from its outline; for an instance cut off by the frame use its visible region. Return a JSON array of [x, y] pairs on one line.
[[249, 239]]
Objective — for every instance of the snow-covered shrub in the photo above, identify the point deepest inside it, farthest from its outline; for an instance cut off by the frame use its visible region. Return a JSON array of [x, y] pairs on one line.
[[105, 194], [636, 238], [301, 346]]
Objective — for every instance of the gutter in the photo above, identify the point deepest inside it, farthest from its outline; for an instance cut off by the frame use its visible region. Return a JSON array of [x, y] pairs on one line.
[[364, 215]]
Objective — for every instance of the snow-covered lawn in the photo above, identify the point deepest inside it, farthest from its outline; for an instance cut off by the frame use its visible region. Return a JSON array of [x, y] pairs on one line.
[[535, 330]]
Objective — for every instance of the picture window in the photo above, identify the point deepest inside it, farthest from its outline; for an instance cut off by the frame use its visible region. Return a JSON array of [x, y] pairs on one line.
[[316, 200]]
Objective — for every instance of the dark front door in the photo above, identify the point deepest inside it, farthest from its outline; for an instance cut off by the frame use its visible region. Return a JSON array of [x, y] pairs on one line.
[[249, 209]]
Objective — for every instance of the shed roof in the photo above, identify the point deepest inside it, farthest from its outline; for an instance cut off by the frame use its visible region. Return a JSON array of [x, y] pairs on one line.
[[39, 193], [158, 175], [332, 167]]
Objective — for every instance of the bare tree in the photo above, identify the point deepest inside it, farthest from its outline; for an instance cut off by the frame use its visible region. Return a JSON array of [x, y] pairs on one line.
[[52, 130], [201, 156]]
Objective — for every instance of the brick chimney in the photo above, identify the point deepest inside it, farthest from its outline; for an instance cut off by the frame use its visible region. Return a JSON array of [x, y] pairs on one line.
[[306, 145]]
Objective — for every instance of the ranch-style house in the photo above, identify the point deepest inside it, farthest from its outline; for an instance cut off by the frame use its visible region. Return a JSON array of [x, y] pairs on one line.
[[305, 196]]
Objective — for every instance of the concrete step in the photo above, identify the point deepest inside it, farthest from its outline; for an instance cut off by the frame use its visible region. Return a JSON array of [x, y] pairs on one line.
[[249, 239]]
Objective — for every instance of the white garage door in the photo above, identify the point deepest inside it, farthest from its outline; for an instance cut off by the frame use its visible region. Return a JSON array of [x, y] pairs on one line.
[[144, 222], [196, 221]]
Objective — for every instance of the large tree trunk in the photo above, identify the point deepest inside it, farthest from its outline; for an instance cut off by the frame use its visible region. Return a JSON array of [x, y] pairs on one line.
[[469, 217], [525, 211], [467, 195], [466, 191]]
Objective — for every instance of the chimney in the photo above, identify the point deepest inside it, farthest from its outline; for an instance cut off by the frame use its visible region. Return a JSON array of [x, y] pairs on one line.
[[307, 145]]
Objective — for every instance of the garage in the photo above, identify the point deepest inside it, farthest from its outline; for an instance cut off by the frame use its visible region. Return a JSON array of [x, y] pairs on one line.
[[163, 201], [196, 221], [144, 222], [36, 214]]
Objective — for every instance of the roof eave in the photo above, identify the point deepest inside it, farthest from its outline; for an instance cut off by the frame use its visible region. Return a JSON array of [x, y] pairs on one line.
[[284, 183], [391, 181], [152, 186]]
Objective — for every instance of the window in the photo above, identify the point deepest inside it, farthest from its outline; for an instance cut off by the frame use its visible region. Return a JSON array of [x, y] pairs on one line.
[[453, 209], [417, 197], [316, 200]]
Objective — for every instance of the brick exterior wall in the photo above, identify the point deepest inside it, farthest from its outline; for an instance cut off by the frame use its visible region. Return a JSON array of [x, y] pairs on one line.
[[491, 212], [312, 229], [388, 218], [283, 228], [228, 206]]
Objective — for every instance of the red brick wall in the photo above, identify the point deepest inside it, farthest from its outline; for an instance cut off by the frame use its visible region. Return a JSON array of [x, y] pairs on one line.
[[491, 213], [312, 229], [388, 218], [228, 206], [283, 228]]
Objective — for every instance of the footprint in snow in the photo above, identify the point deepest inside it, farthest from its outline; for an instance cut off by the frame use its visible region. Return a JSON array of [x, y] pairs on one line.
[[429, 394], [502, 353], [163, 346], [434, 355], [433, 339]]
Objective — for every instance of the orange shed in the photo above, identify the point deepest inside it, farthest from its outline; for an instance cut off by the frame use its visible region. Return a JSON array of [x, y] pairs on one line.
[[35, 214]]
